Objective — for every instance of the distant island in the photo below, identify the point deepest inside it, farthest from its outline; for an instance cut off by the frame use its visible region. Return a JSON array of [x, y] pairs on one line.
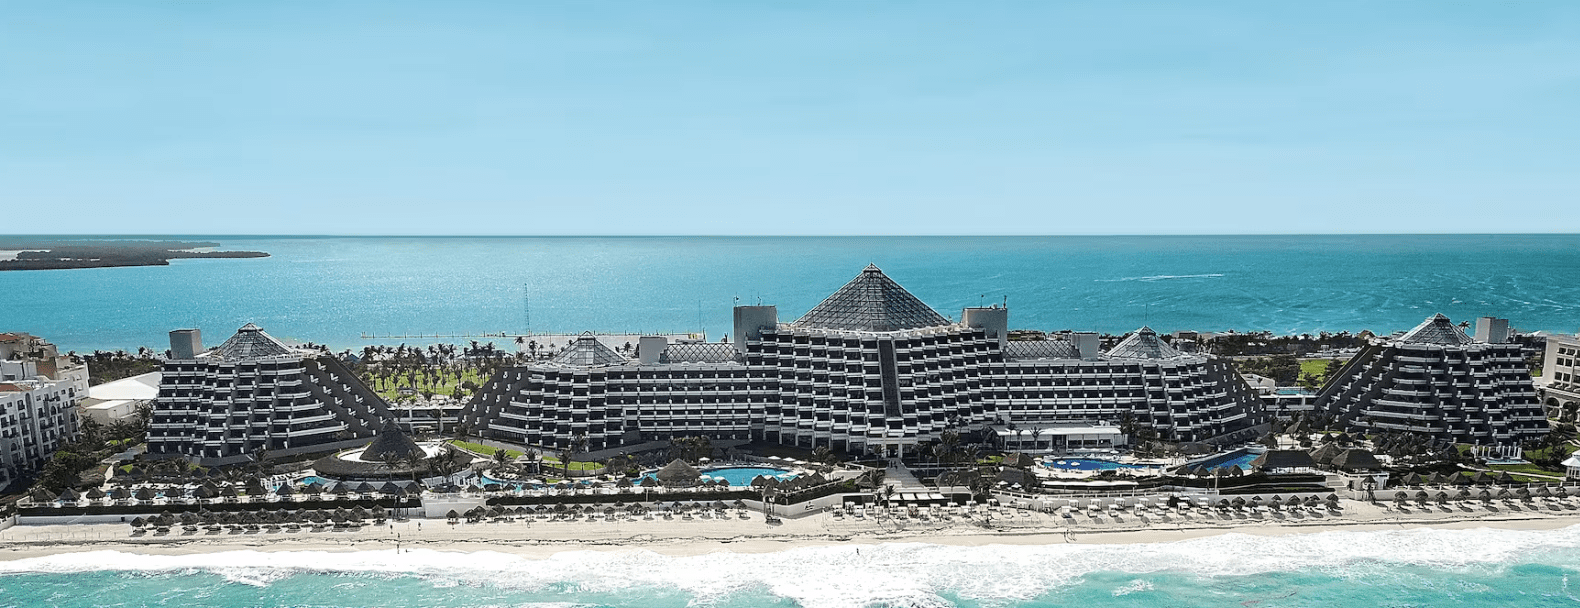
[[35, 254]]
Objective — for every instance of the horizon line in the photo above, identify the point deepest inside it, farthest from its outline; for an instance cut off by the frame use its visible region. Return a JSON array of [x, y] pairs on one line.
[[637, 235]]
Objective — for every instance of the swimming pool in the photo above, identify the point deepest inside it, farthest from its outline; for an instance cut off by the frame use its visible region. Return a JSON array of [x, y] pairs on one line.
[[1241, 458], [1087, 464], [743, 476]]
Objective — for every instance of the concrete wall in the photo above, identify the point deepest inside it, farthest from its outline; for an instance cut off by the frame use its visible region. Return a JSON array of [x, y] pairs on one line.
[[750, 321], [185, 343], [993, 320]]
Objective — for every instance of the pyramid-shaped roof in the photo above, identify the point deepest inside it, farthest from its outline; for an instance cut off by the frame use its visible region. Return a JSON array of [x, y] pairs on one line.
[[1144, 344], [587, 351], [391, 440], [1437, 330], [251, 342], [871, 302]]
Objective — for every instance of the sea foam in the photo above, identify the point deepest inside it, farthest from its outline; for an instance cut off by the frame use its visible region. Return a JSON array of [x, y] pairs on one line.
[[896, 574]]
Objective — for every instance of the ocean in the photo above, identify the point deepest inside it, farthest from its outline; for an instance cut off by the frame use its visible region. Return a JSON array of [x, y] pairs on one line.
[[333, 290], [1343, 569]]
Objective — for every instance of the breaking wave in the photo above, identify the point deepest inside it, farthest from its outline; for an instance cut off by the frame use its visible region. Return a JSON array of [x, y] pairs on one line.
[[1161, 277], [909, 574]]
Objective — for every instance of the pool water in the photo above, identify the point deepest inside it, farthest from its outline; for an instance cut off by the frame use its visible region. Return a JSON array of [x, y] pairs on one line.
[[1087, 464], [743, 476], [1240, 458]]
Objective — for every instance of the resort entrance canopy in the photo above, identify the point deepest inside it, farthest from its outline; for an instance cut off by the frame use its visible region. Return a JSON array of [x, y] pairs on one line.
[[1033, 438]]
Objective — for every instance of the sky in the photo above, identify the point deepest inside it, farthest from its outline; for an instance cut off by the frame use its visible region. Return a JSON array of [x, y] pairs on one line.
[[788, 118]]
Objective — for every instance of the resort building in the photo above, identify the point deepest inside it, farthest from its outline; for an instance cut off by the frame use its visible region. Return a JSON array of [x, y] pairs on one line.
[[1438, 381], [39, 392], [1559, 386], [254, 393], [871, 369], [121, 400]]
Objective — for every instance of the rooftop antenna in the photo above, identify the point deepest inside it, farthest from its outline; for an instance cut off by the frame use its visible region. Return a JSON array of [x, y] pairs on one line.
[[526, 308]]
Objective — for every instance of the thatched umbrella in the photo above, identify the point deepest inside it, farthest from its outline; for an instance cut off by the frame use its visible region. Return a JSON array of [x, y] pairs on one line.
[[1464, 494], [1505, 478], [95, 493], [378, 512], [341, 489], [1543, 492], [1400, 497], [1442, 498], [138, 522], [313, 488], [1412, 479], [364, 488], [1485, 496], [389, 487], [1422, 497], [285, 489], [120, 494], [144, 493], [69, 495], [1503, 493], [624, 482], [202, 493], [41, 495], [678, 473]]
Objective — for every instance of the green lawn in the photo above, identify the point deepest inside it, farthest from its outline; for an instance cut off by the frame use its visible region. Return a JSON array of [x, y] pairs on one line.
[[482, 449], [390, 390], [1315, 367], [550, 463]]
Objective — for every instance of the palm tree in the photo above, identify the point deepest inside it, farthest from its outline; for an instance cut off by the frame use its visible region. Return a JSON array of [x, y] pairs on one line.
[[578, 445]]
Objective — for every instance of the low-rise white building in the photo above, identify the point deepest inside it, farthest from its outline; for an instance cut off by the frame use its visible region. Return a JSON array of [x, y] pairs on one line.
[[39, 390], [119, 401]]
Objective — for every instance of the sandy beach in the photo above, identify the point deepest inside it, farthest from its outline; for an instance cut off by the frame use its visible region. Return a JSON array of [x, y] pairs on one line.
[[677, 537]]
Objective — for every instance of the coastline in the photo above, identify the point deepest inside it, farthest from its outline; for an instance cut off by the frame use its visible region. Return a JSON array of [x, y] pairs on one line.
[[542, 540]]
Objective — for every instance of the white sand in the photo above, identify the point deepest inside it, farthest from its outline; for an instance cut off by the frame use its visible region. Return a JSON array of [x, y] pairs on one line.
[[535, 538]]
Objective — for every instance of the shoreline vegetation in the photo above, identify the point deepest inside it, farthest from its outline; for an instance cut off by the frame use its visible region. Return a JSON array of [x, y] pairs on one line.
[[75, 254]]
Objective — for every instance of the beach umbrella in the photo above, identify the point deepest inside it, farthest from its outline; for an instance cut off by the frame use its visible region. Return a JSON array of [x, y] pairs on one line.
[[1485, 496], [1505, 478], [138, 522], [1411, 480], [41, 495], [144, 493], [364, 488], [1464, 494], [1400, 497], [229, 491], [1543, 492], [389, 487], [1422, 497], [202, 492], [120, 493], [95, 493], [341, 489], [68, 495], [313, 488], [1561, 492], [1238, 501], [285, 489], [1435, 479], [1442, 497], [1503, 493]]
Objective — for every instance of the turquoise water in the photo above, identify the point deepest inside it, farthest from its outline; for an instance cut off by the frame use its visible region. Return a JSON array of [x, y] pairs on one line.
[[1238, 458], [742, 476], [1480, 568], [1083, 464], [331, 290]]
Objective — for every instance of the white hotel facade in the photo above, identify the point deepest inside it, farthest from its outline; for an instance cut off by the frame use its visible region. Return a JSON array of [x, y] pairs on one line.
[[870, 369]]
